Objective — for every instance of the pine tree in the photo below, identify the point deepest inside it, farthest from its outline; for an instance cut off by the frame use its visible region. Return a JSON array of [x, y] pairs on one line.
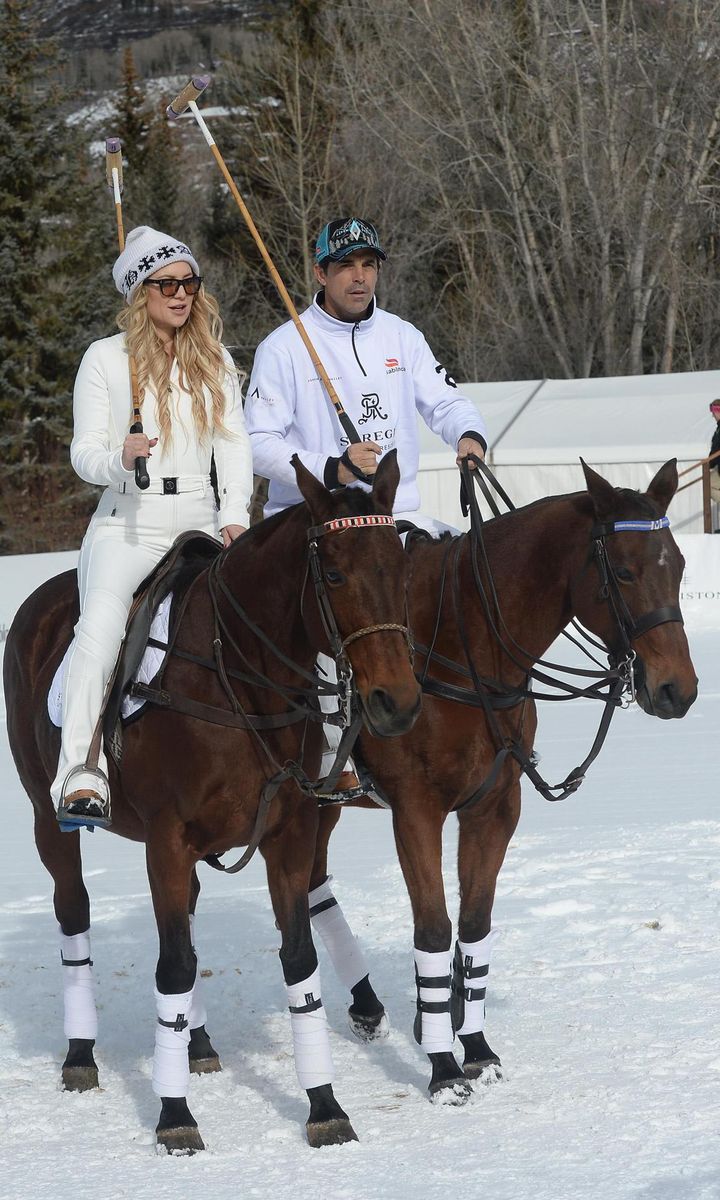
[[54, 258]]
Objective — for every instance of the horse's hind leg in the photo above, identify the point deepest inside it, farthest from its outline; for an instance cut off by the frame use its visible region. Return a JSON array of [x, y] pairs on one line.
[[60, 854], [203, 1057], [288, 872], [367, 1016], [170, 867], [483, 841]]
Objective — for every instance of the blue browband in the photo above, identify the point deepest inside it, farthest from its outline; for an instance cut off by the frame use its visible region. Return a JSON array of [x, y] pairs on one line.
[[630, 527]]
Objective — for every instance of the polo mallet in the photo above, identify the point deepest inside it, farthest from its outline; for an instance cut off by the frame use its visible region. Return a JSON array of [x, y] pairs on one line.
[[113, 171], [186, 99]]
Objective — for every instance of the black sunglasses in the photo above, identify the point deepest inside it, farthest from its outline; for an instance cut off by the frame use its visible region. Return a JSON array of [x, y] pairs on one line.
[[170, 287]]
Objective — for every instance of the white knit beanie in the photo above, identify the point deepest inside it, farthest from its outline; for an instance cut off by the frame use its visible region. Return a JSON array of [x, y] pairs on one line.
[[147, 251]]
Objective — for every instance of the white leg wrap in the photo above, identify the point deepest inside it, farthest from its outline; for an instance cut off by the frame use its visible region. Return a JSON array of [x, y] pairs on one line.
[[311, 1043], [343, 947], [475, 961], [78, 986], [171, 1068], [437, 1033], [198, 1012]]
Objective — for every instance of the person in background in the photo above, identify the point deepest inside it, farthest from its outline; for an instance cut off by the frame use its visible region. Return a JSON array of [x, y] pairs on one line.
[[191, 409], [714, 448]]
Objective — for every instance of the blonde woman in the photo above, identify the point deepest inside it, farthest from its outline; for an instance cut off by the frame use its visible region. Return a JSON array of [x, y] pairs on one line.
[[191, 408]]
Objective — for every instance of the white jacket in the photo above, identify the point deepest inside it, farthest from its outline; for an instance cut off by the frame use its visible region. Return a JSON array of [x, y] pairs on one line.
[[383, 371], [102, 414]]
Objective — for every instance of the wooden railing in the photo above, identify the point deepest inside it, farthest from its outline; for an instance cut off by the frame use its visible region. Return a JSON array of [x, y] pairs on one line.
[[704, 478]]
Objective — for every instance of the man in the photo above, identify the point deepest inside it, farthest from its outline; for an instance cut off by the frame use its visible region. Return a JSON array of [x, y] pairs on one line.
[[383, 371]]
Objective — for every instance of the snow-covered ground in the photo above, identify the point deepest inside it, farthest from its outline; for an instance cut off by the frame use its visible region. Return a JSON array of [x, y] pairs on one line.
[[604, 1004]]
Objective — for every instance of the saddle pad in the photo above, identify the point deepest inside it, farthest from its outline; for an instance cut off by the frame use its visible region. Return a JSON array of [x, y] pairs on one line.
[[148, 669]]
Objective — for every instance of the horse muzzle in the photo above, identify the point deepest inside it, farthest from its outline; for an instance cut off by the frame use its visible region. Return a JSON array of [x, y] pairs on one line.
[[665, 699], [385, 716]]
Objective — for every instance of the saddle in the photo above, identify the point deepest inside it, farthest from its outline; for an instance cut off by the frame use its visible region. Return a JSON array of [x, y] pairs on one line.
[[190, 554]]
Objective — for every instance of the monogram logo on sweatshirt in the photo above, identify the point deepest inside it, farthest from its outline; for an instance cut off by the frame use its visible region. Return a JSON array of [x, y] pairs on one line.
[[371, 408]]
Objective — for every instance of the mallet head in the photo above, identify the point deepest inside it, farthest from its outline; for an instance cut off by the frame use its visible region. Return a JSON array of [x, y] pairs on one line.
[[194, 88], [113, 158]]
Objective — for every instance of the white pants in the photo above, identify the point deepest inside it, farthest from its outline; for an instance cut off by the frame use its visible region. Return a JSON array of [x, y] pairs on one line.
[[126, 538]]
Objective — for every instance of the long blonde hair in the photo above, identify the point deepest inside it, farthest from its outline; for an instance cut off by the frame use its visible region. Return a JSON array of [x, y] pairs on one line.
[[199, 356]]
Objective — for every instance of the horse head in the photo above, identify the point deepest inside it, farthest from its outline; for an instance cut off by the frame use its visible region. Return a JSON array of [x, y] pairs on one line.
[[628, 593], [361, 575]]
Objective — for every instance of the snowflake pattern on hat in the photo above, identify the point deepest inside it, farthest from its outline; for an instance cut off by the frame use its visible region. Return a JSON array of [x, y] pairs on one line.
[[145, 251]]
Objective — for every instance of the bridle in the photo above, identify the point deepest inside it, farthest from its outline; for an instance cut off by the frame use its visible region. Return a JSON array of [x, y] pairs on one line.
[[610, 686], [339, 644], [629, 627]]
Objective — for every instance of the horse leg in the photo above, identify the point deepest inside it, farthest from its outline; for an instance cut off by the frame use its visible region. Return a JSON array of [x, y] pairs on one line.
[[483, 842], [418, 836], [169, 871], [367, 1016], [60, 854], [288, 873], [203, 1057]]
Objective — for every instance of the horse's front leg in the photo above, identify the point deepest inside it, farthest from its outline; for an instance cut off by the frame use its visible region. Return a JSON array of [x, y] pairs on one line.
[[60, 854], [483, 841], [288, 855], [170, 865], [367, 1016], [418, 836], [204, 1058]]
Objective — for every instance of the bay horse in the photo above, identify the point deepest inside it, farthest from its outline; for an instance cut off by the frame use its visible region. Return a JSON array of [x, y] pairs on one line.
[[190, 788], [604, 556]]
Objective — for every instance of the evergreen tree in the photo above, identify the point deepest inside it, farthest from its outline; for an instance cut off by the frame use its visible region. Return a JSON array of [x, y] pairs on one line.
[[51, 248]]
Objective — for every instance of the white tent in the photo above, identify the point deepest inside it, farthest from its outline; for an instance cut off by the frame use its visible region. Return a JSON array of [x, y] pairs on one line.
[[625, 428]]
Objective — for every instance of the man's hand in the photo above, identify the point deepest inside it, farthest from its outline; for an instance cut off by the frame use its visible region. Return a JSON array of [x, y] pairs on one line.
[[230, 532], [365, 456], [468, 446]]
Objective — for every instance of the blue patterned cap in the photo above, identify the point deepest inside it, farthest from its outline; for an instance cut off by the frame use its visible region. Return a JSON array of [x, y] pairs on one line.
[[340, 238]]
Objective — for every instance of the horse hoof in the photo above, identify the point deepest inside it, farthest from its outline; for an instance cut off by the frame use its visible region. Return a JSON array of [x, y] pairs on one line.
[[184, 1139], [487, 1072], [205, 1066], [374, 1028], [452, 1092], [330, 1133], [80, 1079]]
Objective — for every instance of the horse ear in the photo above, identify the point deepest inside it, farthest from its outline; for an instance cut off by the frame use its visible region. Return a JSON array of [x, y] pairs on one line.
[[664, 485], [315, 494], [602, 493], [385, 483]]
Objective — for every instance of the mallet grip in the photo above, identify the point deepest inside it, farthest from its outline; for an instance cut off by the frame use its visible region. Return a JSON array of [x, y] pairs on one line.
[[194, 88], [142, 479]]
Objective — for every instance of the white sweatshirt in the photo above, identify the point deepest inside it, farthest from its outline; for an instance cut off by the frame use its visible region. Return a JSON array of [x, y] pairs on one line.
[[383, 371], [102, 414]]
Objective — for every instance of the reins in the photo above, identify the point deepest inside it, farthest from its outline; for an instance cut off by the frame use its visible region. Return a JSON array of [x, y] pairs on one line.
[[303, 700], [609, 686]]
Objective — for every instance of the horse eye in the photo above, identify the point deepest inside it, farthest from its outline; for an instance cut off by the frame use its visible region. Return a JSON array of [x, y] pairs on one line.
[[334, 578], [624, 575]]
